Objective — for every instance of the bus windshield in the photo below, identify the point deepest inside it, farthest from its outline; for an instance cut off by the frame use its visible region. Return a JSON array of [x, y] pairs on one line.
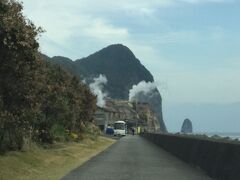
[[119, 126]]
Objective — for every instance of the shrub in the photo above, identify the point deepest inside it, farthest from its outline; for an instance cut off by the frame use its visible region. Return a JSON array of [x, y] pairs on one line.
[[59, 133]]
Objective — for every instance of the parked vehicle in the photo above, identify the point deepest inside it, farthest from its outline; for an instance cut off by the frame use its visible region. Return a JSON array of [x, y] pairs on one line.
[[110, 130]]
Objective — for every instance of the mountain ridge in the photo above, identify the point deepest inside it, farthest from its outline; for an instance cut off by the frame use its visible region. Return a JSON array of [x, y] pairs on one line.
[[120, 66]]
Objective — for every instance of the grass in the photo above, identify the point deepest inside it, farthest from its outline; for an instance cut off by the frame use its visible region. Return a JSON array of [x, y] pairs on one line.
[[52, 163]]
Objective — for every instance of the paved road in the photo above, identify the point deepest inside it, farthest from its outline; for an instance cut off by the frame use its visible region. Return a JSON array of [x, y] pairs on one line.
[[134, 158]]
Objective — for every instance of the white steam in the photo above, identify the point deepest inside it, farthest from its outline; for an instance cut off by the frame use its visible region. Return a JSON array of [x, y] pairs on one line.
[[97, 88], [142, 87], [84, 81]]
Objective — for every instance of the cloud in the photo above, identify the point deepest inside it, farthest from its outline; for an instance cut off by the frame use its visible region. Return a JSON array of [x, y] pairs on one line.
[[101, 30], [83, 19], [67, 22], [205, 1], [79, 27], [216, 85], [176, 37]]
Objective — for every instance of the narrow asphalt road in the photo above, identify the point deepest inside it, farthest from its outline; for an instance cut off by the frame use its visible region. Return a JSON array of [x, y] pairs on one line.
[[134, 158]]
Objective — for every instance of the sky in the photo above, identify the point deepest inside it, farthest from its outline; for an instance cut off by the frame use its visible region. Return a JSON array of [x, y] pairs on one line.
[[192, 47]]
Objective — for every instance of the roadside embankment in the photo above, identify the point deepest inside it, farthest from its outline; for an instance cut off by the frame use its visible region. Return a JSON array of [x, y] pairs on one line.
[[52, 163], [221, 160]]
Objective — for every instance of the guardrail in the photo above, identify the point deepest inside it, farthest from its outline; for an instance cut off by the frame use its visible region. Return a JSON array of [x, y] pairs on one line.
[[221, 160]]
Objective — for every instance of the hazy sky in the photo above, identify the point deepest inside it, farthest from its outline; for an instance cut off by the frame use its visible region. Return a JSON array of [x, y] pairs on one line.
[[192, 47]]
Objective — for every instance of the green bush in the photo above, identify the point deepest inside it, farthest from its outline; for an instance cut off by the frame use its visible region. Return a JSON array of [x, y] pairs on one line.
[[92, 131], [59, 133]]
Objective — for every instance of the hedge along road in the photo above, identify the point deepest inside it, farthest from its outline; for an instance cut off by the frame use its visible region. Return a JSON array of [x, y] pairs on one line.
[[135, 158]]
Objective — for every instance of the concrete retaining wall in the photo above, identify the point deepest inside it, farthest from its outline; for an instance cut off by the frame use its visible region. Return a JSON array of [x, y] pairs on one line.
[[221, 160]]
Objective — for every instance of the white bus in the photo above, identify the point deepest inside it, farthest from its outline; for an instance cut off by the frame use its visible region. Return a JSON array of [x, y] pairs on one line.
[[120, 128]]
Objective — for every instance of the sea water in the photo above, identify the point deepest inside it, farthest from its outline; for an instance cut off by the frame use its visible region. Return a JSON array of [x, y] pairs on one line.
[[232, 135]]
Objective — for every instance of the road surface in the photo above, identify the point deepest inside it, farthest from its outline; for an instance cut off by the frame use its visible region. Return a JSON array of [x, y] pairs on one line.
[[134, 158]]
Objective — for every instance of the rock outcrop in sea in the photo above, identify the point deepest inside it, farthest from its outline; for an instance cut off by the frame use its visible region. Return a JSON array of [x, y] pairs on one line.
[[187, 126]]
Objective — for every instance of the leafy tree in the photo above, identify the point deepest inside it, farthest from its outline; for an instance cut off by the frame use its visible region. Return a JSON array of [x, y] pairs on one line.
[[38, 101], [18, 58]]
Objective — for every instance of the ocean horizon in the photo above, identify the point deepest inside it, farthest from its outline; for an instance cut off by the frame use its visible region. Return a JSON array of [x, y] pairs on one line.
[[232, 135]]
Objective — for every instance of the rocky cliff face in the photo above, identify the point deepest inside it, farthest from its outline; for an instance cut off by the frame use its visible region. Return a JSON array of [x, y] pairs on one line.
[[147, 117], [155, 102], [122, 70], [187, 126]]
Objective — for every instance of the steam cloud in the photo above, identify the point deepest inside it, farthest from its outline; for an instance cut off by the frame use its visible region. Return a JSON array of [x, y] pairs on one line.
[[143, 87], [97, 88]]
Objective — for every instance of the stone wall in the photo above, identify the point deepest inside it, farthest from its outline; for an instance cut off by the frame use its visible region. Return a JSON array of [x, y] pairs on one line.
[[221, 160]]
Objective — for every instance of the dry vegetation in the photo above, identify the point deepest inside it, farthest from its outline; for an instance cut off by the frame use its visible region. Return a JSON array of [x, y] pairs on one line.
[[52, 163]]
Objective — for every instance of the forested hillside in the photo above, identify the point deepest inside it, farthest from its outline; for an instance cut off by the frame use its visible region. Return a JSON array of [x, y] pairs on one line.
[[38, 102], [116, 62]]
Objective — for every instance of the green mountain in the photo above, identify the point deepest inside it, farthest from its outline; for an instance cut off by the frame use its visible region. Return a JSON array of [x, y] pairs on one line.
[[121, 68]]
